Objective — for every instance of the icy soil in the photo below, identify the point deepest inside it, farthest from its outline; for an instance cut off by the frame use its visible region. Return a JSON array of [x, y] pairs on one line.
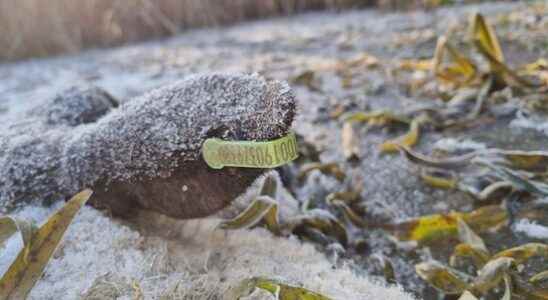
[[164, 258], [101, 258]]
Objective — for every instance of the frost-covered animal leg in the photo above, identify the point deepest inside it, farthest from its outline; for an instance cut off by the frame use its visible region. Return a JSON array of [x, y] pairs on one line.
[[147, 152], [31, 154], [76, 105]]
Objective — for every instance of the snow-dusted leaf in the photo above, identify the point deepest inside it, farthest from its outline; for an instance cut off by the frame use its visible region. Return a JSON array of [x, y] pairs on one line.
[[522, 253], [9, 225], [463, 250], [491, 274], [324, 222], [507, 288], [252, 215], [539, 277], [533, 161], [350, 214], [528, 290], [451, 163], [468, 236], [263, 207], [278, 289], [518, 179], [21, 276], [441, 277]]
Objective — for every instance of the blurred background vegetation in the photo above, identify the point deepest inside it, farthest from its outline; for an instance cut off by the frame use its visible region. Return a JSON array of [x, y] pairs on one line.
[[31, 28]]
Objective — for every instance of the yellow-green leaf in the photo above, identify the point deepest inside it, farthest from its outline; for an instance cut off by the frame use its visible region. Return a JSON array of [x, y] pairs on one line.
[[468, 236], [427, 228], [490, 190], [272, 221], [9, 225], [408, 140], [491, 274], [522, 253], [264, 207], [441, 277], [518, 179], [348, 197], [332, 169], [452, 163], [459, 68], [443, 226], [484, 34], [507, 288], [280, 290], [324, 222], [354, 218], [438, 179], [252, 215], [534, 161], [527, 290], [542, 276], [416, 64], [509, 76], [463, 250], [21, 276], [472, 246]]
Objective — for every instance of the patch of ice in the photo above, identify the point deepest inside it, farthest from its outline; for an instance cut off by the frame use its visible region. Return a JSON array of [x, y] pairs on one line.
[[531, 229]]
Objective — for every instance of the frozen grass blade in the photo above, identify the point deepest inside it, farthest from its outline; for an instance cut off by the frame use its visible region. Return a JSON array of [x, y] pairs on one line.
[[441, 277], [484, 34], [539, 277], [410, 139], [468, 236], [276, 288], [10, 225], [252, 215], [21, 276], [460, 69], [439, 179], [491, 274], [522, 253]]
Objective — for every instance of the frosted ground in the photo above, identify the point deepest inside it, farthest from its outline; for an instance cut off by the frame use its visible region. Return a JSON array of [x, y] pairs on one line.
[[105, 258]]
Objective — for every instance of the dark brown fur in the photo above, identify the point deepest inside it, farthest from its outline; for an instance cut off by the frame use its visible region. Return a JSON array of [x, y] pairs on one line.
[[207, 191]]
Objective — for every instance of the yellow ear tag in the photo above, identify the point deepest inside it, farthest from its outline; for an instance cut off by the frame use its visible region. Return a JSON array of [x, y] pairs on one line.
[[218, 153]]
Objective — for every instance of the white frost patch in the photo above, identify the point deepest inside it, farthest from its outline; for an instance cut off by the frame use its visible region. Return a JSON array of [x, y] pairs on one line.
[[102, 258], [531, 229], [523, 122], [455, 145]]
